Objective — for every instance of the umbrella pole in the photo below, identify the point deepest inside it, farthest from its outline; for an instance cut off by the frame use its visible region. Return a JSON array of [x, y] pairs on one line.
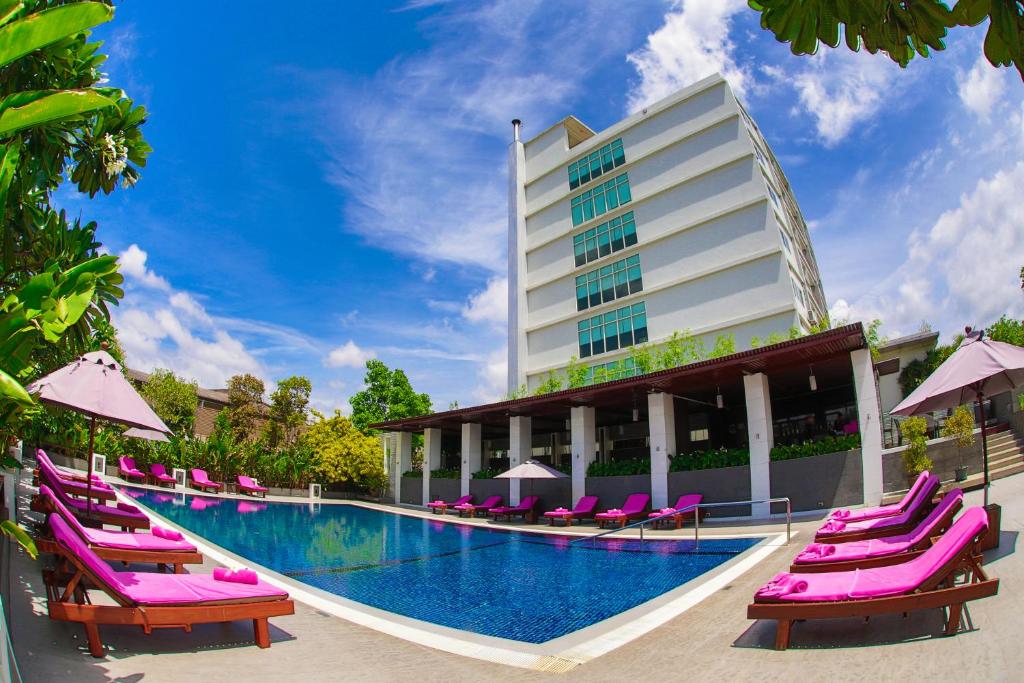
[[88, 485], [984, 440]]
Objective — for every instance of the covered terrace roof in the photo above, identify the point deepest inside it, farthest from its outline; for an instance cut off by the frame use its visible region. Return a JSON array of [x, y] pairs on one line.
[[687, 379]]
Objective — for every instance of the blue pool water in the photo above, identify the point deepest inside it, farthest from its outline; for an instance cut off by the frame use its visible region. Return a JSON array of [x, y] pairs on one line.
[[521, 586]]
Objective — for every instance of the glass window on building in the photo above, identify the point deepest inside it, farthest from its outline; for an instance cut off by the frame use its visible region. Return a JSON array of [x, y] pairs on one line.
[[596, 164], [600, 200], [607, 238], [617, 329], [608, 283]]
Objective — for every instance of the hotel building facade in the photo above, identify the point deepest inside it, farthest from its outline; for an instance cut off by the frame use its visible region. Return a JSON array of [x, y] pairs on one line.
[[676, 219]]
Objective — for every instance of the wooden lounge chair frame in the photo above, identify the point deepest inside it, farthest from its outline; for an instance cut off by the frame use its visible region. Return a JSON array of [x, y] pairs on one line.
[[204, 486], [939, 591], [880, 532], [943, 524], [72, 604], [97, 493]]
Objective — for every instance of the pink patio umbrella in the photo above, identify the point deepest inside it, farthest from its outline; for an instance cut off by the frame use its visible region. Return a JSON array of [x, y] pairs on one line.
[[979, 367], [94, 386], [148, 434]]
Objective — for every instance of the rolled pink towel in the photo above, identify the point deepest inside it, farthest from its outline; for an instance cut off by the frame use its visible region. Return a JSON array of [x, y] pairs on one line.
[[614, 512], [782, 584], [438, 502], [832, 526], [666, 511], [126, 507], [816, 551], [561, 510], [169, 534], [839, 514], [236, 576]]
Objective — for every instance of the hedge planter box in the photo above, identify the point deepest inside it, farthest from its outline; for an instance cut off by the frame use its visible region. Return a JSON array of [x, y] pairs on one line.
[[484, 488], [444, 489], [553, 492], [612, 491], [945, 457], [819, 482], [412, 490], [719, 485]]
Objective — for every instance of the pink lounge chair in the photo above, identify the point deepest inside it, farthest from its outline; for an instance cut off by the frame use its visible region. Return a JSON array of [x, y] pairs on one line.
[[838, 531], [848, 516], [201, 481], [160, 476], [440, 506], [73, 487], [155, 600], [68, 475], [634, 508], [167, 548], [122, 515], [247, 485], [925, 582], [126, 469], [525, 509], [471, 510], [880, 552], [683, 509], [584, 509]]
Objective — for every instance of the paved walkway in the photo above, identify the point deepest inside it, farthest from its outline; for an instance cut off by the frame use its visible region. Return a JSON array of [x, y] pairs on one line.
[[712, 641]]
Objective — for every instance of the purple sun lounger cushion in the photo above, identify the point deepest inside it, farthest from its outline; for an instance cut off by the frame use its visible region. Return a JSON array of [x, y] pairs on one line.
[[200, 477], [884, 510], [248, 484], [491, 502], [440, 503], [80, 507], [877, 582], [525, 505], [817, 553], [685, 505], [126, 467], [634, 506], [585, 507], [69, 485], [140, 588], [159, 473], [119, 540], [836, 526]]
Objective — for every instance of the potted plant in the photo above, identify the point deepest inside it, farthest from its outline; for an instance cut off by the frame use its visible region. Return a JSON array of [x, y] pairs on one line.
[[960, 426], [915, 457]]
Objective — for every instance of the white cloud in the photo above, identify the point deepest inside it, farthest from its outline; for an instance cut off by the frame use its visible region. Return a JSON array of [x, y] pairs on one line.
[[982, 87], [133, 265], [489, 305], [842, 89], [492, 377], [693, 43], [348, 355]]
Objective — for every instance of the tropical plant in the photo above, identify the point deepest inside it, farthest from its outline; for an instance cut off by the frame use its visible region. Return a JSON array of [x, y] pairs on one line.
[[174, 399], [341, 453], [486, 473], [388, 396], [445, 474], [289, 411], [18, 533], [245, 406], [960, 427], [550, 385], [898, 28], [915, 456]]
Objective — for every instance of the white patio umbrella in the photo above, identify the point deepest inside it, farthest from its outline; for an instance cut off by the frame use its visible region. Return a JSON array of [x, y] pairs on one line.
[[531, 469], [978, 368]]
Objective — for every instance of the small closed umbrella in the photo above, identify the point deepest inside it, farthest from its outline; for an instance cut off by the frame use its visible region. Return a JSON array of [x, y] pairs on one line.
[[978, 368], [531, 469], [94, 386]]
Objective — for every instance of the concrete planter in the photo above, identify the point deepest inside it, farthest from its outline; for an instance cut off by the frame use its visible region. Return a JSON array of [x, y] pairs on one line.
[[612, 491], [483, 488], [716, 485], [444, 489], [946, 457], [820, 481], [412, 490]]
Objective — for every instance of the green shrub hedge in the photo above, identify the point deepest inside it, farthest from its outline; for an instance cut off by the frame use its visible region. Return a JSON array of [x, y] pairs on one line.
[[445, 474], [710, 459], [413, 474], [619, 468], [486, 474], [828, 444]]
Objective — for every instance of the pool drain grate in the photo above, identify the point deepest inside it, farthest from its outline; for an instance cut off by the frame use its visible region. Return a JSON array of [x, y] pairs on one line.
[[555, 665]]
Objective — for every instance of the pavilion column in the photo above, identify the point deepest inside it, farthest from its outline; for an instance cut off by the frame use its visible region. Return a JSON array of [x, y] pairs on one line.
[[583, 428], [661, 416], [402, 459], [472, 453], [431, 458], [520, 448], [761, 439], [870, 424]]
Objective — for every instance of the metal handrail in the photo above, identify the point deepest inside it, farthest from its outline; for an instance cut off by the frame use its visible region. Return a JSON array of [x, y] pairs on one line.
[[696, 518]]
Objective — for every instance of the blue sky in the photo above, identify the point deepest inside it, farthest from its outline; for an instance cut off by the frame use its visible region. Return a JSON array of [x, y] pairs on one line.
[[329, 186]]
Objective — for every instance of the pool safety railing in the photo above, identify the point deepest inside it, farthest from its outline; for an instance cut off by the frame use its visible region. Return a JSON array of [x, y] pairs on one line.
[[696, 518]]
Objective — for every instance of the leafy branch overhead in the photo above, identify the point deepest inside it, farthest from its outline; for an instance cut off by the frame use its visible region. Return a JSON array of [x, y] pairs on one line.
[[899, 28]]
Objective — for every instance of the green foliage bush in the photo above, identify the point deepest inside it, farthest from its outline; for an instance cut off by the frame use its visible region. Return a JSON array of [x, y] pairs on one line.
[[710, 459], [915, 457], [413, 474], [486, 474], [619, 468], [445, 474], [827, 444]]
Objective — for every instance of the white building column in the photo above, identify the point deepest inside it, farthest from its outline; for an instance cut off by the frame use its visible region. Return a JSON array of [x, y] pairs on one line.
[[472, 453], [403, 460], [520, 449], [431, 458], [870, 423], [761, 439], [583, 427], [661, 416]]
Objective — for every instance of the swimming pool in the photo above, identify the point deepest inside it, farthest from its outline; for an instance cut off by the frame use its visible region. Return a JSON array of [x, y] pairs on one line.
[[525, 587]]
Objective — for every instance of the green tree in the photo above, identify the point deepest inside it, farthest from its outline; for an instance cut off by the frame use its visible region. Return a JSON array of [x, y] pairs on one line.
[[725, 345], [550, 385], [289, 411], [643, 358], [174, 399], [342, 453], [1008, 330], [898, 28], [575, 373], [245, 406], [915, 457], [388, 396]]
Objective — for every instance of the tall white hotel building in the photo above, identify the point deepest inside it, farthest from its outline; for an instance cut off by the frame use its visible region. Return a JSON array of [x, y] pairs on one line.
[[677, 218]]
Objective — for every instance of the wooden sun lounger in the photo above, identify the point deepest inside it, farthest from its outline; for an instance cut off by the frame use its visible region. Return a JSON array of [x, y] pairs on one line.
[[938, 591]]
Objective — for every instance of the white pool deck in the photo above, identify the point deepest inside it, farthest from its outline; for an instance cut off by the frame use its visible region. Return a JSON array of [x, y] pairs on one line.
[[699, 632]]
